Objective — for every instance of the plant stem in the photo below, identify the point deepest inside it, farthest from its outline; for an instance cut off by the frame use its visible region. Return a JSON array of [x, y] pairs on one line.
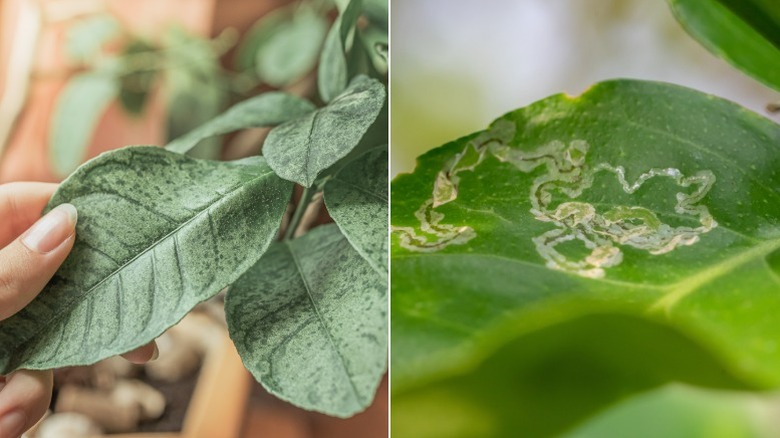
[[308, 193]]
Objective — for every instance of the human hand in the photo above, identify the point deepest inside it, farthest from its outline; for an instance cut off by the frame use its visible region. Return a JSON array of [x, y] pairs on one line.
[[31, 250]]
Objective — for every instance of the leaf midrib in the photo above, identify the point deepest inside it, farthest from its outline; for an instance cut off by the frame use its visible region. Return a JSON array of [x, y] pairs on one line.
[[60, 315], [683, 288], [321, 320], [674, 292]]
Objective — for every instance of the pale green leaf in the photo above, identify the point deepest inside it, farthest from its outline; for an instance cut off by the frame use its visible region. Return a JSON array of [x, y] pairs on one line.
[[332, 75], [310, 323], [746, 33], [85, 39], [356, 198], [292, 49], [264, 110], [636, 197], [300, 149], [680, 411], [158, 232], [546, 381], [78, 109], [262, 31]]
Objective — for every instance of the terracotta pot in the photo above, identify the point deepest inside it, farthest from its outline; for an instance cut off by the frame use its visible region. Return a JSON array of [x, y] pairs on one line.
[[24, 154], [219, 401]]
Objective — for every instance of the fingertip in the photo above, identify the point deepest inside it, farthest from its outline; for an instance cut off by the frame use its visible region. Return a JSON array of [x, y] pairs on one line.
[[141, 355]]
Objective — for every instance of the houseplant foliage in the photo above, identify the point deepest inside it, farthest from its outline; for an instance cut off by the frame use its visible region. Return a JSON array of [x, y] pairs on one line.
[[160, 231], [583, 250]]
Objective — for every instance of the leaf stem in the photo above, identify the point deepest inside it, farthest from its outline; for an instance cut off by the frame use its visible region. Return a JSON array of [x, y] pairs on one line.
[[308, 193]]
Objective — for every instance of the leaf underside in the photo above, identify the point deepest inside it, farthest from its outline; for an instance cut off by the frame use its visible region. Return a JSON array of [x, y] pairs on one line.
[[746, 33], [158, 232], [638, 198], [310, 322]]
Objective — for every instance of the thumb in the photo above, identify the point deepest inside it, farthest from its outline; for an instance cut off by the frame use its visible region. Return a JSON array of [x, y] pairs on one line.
[[29, 262]]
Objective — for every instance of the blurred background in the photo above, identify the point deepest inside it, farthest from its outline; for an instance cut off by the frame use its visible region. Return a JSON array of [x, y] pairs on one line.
[[457, 65], [80, 77]]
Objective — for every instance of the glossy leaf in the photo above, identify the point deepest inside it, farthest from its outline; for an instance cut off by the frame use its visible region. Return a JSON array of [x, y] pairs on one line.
[[291, 50], [679, 411], [356, 198], [547, 381], [310, 323], [264, 110], [302, 148], [639, 197], [77, 112], [158, 233], [332, 75], [746, 33]]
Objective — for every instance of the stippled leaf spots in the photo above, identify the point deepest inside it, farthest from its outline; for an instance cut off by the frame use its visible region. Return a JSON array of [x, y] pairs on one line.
[[356, 198], [302, 148], [309, 321], [158, 232]]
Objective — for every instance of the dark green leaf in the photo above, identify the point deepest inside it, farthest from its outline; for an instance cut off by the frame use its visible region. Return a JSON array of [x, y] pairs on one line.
[[264, 110], [377, 12], [77, 112], [356, 198], [136, 85], [158, 233], [291, 50], [639, 197], [302, 148], [310, 322], [332, 75], [746, 33]]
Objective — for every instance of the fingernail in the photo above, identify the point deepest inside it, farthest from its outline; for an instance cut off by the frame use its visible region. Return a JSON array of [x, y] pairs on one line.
[[12, 424], [156, 354], [51, 230]]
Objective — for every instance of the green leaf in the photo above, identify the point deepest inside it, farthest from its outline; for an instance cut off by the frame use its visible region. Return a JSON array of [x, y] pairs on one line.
[[158, 232], [85, 39], [546, 381], [136, 85], [375, 44], [639, 197], [332, 76], [77, 112], [680, 411], [377, 11], [746, 33], [292, 50], [264, 110], [356, 198], [310, 323], [302, 148], [262, 31]]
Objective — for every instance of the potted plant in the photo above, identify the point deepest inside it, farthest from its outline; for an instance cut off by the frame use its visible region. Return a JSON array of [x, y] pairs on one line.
[[160, 231]]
